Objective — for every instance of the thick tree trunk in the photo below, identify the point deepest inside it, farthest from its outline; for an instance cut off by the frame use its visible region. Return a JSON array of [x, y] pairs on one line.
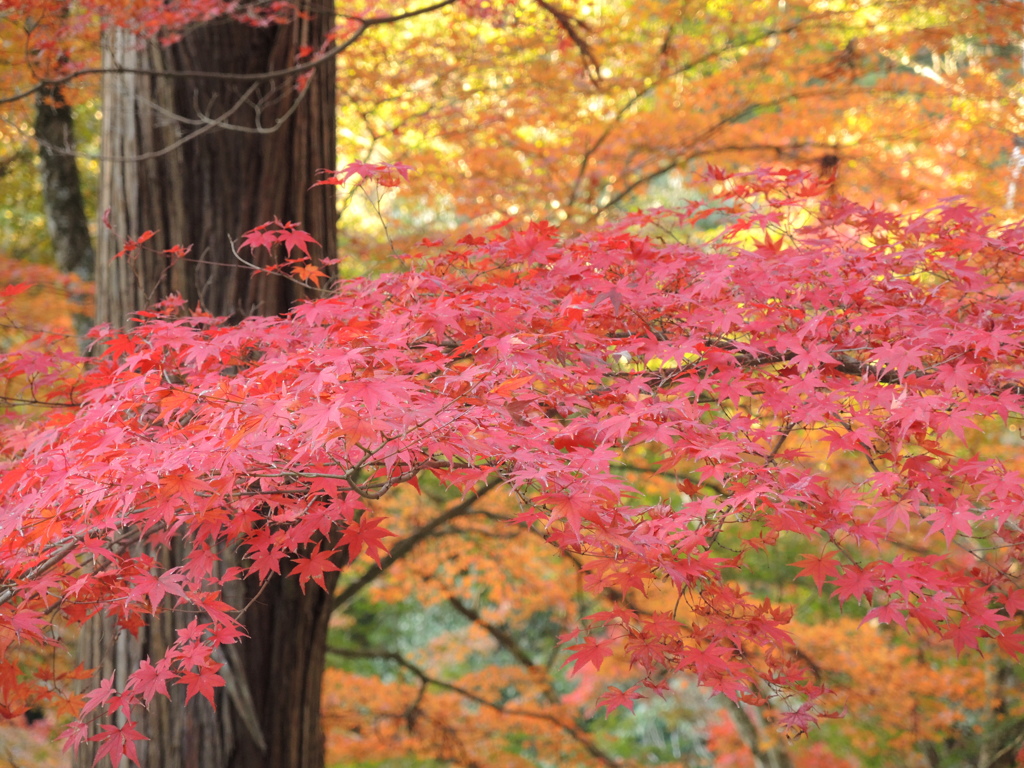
[[268, 712], [63, 201], [202, 159]]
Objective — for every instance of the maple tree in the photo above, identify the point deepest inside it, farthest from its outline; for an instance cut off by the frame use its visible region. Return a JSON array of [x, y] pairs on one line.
[[911, 103], [723, 366]]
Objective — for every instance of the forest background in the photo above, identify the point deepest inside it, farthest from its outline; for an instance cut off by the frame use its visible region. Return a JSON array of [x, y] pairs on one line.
[[482, 117]]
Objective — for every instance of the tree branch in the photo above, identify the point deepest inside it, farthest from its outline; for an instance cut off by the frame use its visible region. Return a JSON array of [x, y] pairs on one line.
[[574, 731], [297, 69], [406, 545]]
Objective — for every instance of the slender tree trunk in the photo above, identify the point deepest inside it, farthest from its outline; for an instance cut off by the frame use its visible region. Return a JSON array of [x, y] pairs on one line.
[[63, 202], [201, 159], [62, 189]]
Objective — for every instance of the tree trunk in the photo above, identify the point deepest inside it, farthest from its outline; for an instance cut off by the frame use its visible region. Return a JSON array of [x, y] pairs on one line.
[[201, 159], [268, 712], [62, 189], [63, 201]]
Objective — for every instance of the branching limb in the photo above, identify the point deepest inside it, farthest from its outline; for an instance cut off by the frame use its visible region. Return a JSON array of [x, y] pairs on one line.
[[577, 734], [406, 545]]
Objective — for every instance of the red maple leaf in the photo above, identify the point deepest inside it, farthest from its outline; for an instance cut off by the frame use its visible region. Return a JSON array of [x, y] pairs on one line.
[[117, 742], [366, 533], [314, 567], [260, 238], [856, 583], [965, 633], [1010, 639], [296, 238], [202, 681], [614, 698], [590, 651], [150, 679], [818, 568]]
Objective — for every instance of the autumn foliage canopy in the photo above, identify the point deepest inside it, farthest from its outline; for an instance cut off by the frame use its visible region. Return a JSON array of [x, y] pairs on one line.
[[808, 334]]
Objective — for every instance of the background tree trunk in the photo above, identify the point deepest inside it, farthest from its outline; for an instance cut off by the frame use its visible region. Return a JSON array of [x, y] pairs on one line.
[[62, 189], [63, 202], [201, 159]]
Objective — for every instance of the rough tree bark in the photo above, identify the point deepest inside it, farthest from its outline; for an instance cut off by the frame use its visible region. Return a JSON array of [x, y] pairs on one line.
[[201, 158]]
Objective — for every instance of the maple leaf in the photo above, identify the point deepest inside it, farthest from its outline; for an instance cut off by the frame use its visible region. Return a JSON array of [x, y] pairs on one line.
[[314, 567], [367, 533], [798, 720], [150, 679], [387, 174], [572, 507], [614, 698], [709, 663], [1014, 601], [899, 357], [153, 588], [131, 245], [965, 633], [591, 651], [76, 733], [889, 613], [1010, 640], [14, 289], [813, 356], [99, 695], [260, 238], [309, 272], [266, 559], [296, 238], [818, 568], [952, 520], [856, 583], [203, 681], [117, 743]]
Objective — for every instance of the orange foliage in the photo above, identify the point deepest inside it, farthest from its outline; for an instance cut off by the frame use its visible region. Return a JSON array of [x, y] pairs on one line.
[[38, 306], [897, 697], [577, 109], [506, 116]]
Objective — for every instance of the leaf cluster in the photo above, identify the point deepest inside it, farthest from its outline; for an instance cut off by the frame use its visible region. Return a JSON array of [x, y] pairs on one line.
[[806, 330]]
